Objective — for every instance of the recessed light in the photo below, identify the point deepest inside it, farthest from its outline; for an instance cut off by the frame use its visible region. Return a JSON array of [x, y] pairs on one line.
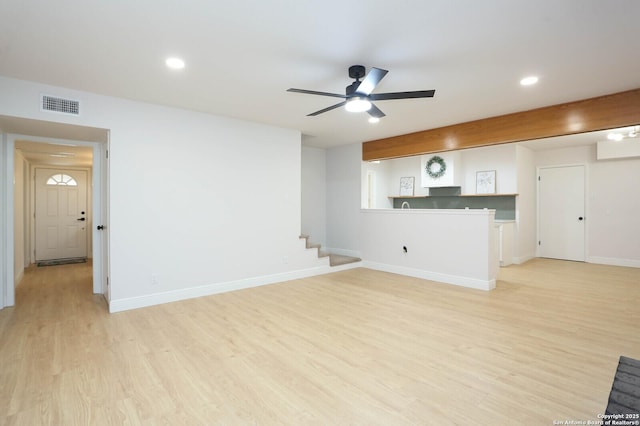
[[373, 119], [174, 63], [528, 81], [615, 137]]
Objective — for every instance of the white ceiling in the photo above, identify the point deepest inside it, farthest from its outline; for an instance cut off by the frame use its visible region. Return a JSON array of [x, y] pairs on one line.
[[53, 154], [242, 56], [55, 144]]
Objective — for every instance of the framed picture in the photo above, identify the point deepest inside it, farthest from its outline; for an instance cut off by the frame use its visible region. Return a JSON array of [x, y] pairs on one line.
[[406, 186], [486, 182]]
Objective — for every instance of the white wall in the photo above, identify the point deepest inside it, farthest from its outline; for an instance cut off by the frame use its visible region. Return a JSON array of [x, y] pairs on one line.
[[314, 194], [19, 185], [614, 212], [525, 235], [6, 273], [613, 203], [199, 201], [344, 175], [501, 158], [452, 246], [405, 167]]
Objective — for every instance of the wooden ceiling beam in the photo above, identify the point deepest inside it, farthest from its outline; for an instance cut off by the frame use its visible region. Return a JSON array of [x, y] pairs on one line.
[[601, 113]]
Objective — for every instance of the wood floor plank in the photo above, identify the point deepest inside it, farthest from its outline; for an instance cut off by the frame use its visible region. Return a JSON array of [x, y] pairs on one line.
[[352, 347]]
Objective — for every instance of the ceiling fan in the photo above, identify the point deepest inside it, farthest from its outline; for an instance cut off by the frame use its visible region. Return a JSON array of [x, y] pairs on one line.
[[358, 96]]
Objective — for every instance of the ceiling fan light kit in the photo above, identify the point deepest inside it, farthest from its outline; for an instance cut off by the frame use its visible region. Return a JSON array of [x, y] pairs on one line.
[[357, 104], [358, 95]]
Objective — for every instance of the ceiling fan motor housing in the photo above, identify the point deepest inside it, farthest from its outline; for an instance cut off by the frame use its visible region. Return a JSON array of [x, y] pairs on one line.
[[350, 89], [356, 71]]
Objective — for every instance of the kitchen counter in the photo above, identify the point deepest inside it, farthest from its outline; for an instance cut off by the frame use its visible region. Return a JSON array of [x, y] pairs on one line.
[[454, 246]]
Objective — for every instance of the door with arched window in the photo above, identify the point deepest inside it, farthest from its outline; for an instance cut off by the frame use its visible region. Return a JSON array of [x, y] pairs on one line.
[[61, 216]]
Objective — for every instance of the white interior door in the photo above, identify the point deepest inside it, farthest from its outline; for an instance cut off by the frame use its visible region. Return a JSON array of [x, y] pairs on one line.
[[61, 214], [561, 207]]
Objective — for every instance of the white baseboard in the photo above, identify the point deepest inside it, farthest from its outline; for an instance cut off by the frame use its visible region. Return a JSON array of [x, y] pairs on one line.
[[523, 259], [632, 263], [342, 252], [433, 276], [119, 305]]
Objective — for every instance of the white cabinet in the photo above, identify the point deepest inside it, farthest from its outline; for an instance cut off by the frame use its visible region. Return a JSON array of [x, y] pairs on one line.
[[505, 239]]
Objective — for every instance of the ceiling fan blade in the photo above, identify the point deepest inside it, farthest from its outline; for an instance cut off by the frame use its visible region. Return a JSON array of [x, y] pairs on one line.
[[313, 92], [402, 95], [371, 80], [375, 112], [313, 114]]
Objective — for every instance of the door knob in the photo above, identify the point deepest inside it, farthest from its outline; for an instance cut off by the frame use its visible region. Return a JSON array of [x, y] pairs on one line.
[[100, 227], [82, 219], [580, 218]]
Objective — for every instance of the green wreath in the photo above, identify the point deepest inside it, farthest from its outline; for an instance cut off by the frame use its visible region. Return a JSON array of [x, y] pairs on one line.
[[440, 171]]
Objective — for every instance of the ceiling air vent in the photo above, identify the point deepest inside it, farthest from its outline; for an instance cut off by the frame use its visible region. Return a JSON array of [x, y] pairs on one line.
[[63, 106]]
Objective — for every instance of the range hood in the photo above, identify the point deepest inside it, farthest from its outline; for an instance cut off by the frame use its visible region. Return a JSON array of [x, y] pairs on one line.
[[431, 169]]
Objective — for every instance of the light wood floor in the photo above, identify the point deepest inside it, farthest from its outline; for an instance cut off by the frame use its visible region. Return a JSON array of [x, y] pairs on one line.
[[353, 347]]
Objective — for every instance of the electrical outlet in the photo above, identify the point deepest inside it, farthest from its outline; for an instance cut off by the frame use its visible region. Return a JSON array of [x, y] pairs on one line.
[[155, 280]]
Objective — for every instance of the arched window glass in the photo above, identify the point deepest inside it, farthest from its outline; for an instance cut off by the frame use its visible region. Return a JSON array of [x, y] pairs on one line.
[[61, 179]]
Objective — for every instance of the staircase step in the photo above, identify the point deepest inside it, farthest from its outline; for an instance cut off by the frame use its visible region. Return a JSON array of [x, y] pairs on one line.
[[308, 244], [337, 259], [334, 259]]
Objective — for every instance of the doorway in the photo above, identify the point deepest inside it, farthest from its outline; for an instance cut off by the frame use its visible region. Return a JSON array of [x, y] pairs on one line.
[[561, 212], [17, 210], [371, 189]]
